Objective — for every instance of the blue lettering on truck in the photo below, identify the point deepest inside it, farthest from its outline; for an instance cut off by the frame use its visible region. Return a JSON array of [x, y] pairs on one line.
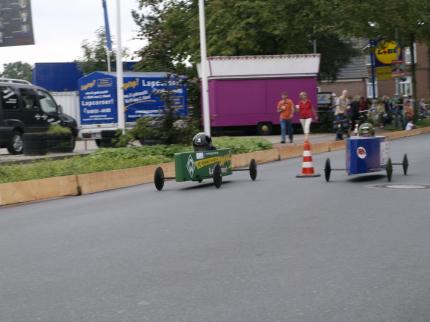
[[142, 97], [97, 99]]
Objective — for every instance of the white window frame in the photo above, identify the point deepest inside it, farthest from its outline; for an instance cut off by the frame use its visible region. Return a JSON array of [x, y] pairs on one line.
[[405, 87], [407, 54]]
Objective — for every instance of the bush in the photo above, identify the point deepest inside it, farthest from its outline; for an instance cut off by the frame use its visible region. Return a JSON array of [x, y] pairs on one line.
[[168, 128], [57, 129], [242, 145]]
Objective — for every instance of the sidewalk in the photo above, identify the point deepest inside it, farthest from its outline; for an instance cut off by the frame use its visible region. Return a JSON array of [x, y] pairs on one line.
[[82, 148], [313, 138], [89, 146]]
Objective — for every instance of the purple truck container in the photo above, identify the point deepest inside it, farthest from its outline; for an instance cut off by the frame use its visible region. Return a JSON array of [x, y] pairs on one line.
[[244, 91]]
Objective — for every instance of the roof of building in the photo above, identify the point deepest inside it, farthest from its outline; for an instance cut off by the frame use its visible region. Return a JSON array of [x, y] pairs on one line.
[[139, 74], [355, 69], [270, 66]]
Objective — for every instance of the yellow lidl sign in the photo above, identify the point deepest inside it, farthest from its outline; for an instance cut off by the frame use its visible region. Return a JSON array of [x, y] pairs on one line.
[[387, 51]]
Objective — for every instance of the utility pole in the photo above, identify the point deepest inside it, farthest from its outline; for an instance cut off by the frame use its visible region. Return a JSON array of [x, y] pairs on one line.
[[204, 66]]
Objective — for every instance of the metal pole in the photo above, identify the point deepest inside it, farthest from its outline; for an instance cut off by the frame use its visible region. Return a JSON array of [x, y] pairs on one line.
[[373, 63], [204, 66], [107, 35], [109, 68], [119, 71]]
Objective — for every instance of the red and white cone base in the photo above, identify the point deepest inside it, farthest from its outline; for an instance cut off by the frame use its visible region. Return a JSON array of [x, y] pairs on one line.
[[307, 165]]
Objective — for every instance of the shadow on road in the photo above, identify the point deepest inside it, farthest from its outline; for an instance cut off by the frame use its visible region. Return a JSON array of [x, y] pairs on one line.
[[204, 185], [368, 177]]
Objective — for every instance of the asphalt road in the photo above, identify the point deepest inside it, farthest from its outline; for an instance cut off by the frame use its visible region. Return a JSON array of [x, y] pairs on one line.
[[278, 249]]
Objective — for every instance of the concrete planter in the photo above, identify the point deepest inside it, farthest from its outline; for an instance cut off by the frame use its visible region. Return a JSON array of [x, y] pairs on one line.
[[108, 180], [40, 189], [242, 160]]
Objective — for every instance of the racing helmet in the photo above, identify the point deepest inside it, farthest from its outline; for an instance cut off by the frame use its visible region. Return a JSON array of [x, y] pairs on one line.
[[366, 129], [202, 142]]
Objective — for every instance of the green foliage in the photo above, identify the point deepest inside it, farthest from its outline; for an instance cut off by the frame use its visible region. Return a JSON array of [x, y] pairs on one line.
[[392, 19], [423, 123], [94, 54], [17, 70], [242, 145], [167, 129], [264, 27], [55, 129], [246, 27], [94, 57], [121, 158]]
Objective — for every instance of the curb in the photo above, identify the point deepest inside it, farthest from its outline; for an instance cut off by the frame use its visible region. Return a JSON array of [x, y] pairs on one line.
[[57, 187]]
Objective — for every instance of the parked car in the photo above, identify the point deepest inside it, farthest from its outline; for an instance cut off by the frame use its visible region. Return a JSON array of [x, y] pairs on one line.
[[26, 108]]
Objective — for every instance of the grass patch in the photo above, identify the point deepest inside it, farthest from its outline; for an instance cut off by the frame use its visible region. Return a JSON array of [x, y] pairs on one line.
[[391, 128], [423, 123], [119, 158]]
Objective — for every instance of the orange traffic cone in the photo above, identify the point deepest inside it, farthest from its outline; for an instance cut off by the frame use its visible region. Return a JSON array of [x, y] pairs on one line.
[[307, 166]]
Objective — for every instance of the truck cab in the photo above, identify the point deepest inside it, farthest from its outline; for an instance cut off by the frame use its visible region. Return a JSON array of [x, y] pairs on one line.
[[25, 108]]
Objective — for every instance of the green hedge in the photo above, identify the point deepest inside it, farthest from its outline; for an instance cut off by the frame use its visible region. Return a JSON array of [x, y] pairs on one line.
[[423, 123], [119, 158]]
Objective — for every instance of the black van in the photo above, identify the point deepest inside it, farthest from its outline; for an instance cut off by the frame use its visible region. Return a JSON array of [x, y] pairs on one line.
[[25, 108]]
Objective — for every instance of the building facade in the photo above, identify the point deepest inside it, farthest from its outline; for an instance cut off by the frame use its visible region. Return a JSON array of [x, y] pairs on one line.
[[356, 77]]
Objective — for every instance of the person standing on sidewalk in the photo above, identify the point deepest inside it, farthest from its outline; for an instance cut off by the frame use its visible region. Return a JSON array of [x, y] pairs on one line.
[[285, 109], [340, 115], [306, 112]]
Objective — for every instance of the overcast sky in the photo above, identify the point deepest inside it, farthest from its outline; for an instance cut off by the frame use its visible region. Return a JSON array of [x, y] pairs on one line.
[[60, 26]]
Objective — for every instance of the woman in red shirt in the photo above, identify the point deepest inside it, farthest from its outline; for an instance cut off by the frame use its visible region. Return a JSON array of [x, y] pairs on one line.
[[306, 113]]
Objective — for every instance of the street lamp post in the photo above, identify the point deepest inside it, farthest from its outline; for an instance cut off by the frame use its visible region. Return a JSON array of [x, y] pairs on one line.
[[414, 70], [204, 65], [373, 42], [373, 66]]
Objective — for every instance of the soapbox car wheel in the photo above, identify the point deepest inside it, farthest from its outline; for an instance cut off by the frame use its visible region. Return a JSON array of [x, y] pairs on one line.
[[327, 170], [405, 164], [217, 176], [159, 178], [253, 169], [389, 169]]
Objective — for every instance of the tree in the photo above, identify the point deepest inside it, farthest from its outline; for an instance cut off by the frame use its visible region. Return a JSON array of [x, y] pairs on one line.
[[94, 56], [406, 21], [17, 70], [393, 19], [257, 27], [241, 27]]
